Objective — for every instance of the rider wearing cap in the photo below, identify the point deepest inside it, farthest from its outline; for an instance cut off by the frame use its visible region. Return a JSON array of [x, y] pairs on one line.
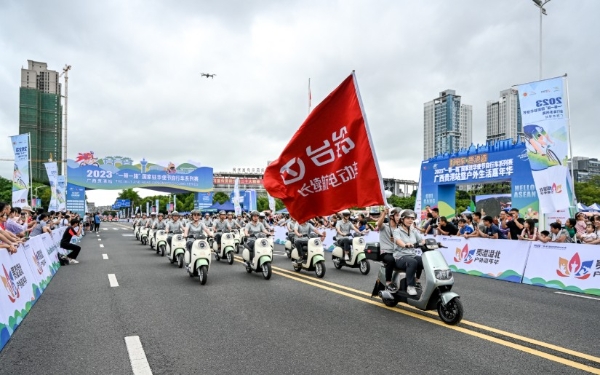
[[253, 228], [301, 231], [343, 228], [159, 224], [233, 224], [207, 221], [219, 226], [405, 238], [175, 226], [386, 240], [195, 228]]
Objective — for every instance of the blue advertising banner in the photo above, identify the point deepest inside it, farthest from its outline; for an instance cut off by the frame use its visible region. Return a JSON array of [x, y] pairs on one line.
[[544, 113], [117, 172], [249, 200], [76, 199], [203, 200], [20, 184], [121, 203], [491, 163]]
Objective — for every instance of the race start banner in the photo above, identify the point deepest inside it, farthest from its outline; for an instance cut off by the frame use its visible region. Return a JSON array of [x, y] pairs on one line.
[[20, 185], [497, 259], [118, 172], [564, 266], [52, 171], [545, 116]]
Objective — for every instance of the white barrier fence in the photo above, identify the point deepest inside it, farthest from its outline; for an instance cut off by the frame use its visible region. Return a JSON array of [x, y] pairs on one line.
[[571, 267], [24, 276]]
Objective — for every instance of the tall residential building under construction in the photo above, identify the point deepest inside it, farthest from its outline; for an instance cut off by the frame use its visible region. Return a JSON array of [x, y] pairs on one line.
[[40, 115]]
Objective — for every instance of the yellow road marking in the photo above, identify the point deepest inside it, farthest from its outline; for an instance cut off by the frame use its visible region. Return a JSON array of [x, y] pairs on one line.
[[482, 336], [311, 281], [465, 322]]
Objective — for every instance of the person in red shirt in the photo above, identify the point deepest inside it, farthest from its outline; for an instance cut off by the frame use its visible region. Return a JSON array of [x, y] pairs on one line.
[[65, 242]]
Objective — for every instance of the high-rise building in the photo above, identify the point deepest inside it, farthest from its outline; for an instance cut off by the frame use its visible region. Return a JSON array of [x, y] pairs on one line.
[[584, 168], [448, 125], [504, 117], [40, 115]]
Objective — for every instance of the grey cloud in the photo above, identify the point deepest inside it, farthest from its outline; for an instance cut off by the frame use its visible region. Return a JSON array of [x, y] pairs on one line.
[[136, 88]]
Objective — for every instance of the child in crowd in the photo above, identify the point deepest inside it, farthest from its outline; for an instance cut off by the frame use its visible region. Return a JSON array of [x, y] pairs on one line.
[[590, 234], [544, 235]]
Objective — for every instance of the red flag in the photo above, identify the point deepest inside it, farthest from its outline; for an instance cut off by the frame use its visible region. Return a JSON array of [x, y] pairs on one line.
[[330, 163]]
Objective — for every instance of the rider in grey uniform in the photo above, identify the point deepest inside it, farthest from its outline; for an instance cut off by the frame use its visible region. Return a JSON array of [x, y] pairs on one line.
[[207, 221], [253, 228], [233, 224], [302, 230], [159, 224], [220, 226], [195, 228], [343, 228], [176, 226]]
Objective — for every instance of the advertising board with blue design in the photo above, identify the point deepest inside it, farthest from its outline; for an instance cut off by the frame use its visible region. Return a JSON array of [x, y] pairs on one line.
[[499, 162], [117, 172]]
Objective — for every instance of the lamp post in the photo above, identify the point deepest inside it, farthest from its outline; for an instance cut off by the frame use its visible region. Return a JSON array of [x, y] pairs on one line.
[[540, 4]]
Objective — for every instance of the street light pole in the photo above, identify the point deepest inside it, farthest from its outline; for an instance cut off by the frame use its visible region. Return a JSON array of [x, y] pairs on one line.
[[540, 4]]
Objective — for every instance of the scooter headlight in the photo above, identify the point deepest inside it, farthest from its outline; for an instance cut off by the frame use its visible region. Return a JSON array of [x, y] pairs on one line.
[[443, 274], [317, 242], [264, 242]]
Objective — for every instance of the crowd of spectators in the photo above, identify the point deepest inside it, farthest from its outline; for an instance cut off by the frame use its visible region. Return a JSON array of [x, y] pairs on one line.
[[509, 226], [18, 224]]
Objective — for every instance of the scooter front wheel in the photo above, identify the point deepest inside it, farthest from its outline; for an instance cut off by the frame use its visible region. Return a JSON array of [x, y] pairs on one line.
[[452, 313], [230, 257], [364, 267], [180, 260], [266, 270], [337, 263], [162, 250], [320, 269], [203, 274]]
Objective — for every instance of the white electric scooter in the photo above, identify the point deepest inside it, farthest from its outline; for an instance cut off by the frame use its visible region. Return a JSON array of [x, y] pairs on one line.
[[161, 242], [315, 257], [227, 247], [289, 244], [236, 240], [137, 231], [151, 237], [198, 259], [144, 235], [357, 255], [177, 250], [436, 291], [263, 256]]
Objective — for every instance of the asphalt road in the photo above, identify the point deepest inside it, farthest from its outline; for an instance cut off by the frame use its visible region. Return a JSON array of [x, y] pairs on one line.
[[291, 324]]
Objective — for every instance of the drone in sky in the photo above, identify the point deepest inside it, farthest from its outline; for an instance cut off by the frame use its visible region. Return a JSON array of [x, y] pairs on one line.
[[207, 75]]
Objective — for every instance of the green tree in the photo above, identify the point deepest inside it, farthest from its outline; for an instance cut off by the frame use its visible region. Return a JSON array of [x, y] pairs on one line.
[[5, 190], [408, 202], [220, 197], [588, 192]]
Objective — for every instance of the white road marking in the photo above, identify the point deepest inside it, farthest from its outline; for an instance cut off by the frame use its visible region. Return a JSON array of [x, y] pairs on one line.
[[116, 228], [112, 279], [280, 255], [97, 235], [127, 235], [99, 239], [137, 356], [104, 228], [104, 256], [577, 295], [101, 245]]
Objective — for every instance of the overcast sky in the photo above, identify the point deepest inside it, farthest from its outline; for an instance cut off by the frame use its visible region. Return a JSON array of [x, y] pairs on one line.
[[135, 87]]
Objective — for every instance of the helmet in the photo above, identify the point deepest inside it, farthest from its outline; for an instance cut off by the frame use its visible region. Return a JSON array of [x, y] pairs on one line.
[[195, 212], [153, 214], [175, 213], [221, 212], [261, 215], [345, 213], [254, 213], [407, 213], [230, 213], [395, 210]]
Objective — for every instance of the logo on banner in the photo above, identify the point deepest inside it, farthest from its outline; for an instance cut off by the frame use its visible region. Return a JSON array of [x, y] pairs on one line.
[[465, 255], [574, 267], [38, 259], [9, 283], [554, 189]]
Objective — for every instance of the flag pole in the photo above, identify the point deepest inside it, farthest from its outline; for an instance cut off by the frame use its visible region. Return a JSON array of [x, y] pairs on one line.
[[31, 170], [309, 97]]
